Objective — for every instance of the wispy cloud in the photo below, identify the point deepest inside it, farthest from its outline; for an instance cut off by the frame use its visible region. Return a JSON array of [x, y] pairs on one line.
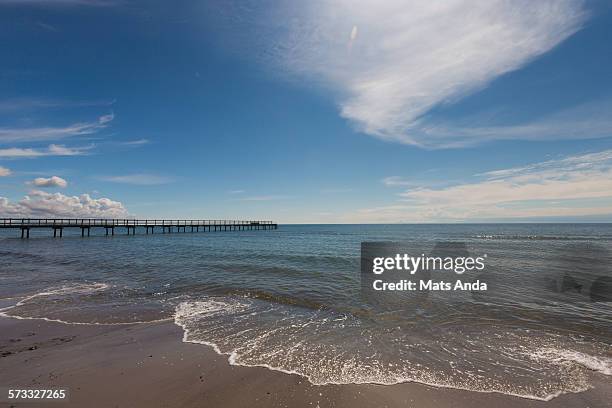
[[236, 192], [4, 172], [106, 118], [47, 27], [137, 142], [390, 63], [53, 181], [42, 204], [47, 3], [38, 134], [52, 150], [394, 181], [138, 179], [587, 121], [571, 186], [30, 103]]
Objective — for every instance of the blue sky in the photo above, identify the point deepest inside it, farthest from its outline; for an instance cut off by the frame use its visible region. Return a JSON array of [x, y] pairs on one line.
[[318, 112]]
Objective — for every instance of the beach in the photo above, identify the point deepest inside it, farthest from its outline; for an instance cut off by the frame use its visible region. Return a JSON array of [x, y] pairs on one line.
[[147, 365], [281, 318]]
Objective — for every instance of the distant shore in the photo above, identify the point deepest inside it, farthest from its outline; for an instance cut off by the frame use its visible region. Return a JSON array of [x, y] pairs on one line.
[[147, 365]]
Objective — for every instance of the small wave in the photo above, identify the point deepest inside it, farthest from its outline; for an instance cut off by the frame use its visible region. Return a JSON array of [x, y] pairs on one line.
[[76, 288], [494, 237], [69, 289], [599, 364], [327, 348]]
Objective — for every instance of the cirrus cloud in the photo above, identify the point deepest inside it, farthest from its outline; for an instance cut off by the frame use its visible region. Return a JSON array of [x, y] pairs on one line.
[[138, 179], [47, 3], [390, 63], [573, 186], [38, 134], [52, 150]]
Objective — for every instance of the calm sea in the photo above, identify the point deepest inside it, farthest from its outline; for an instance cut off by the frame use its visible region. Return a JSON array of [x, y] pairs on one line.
[[290, 300]]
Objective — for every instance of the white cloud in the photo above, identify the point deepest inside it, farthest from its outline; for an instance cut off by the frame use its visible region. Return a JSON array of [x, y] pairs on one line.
[[138, 179], [52, 150], [578, 185], [582, 122], [137, 142], [29, 103], [393, 181], [106, 118], [38, 134], [94, 3], [53, 181], [391, 62], [60, 150], [5, 172], [42, 204]]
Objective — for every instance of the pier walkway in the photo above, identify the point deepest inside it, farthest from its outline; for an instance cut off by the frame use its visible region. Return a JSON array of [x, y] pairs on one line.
[[130, 225]]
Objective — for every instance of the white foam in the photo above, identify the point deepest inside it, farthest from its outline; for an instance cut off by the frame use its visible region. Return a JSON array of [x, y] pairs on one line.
[[76, 288], [248, 352], [599, 364]]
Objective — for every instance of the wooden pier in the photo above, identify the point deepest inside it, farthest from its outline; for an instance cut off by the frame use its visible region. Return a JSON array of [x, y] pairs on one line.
[[130, 225]]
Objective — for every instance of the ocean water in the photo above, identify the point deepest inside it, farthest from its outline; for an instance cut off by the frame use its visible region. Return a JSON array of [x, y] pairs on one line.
[[290, 300]]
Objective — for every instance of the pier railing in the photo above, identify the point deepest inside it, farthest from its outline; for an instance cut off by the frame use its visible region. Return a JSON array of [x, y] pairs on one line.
[[114, 222], [131, 224]]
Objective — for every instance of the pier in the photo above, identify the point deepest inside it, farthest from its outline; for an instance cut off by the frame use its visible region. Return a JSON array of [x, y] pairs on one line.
[[129, 226]]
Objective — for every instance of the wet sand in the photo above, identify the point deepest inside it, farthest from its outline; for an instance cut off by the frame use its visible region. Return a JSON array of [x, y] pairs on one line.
[[147, 365]]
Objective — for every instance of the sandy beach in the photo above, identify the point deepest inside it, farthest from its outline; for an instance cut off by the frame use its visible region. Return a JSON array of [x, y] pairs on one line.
[[147, 365]]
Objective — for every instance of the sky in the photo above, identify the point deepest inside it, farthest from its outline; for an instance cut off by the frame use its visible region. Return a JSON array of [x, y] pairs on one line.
[[342, 111]]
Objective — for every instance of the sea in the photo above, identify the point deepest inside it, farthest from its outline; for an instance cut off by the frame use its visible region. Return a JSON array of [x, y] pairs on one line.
[[292, 300]]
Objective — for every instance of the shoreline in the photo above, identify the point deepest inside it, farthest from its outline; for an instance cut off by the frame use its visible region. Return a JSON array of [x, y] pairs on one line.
[[149, 365]]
